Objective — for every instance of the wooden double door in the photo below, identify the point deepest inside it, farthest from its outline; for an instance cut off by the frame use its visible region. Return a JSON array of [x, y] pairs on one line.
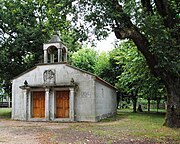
[[62, 104]]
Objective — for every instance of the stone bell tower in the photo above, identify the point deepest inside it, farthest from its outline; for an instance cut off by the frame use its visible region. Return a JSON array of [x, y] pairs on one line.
[[55, 50]]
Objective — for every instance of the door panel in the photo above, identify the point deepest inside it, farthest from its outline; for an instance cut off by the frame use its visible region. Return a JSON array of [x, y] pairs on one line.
[[38, 104], [62, 104]]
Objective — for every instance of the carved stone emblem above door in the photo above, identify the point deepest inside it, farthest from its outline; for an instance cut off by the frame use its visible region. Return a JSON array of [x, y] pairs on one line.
[[49, 76]]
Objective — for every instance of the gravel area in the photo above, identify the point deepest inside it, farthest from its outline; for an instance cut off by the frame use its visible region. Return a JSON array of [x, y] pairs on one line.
[[21, 132]]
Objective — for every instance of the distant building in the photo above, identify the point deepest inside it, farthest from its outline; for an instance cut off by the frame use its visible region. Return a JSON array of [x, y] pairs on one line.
[[57, 91]]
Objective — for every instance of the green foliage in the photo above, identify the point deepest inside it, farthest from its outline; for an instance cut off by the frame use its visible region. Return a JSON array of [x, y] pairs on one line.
[[136, 76], [107, 66], [85, 59], [162, 43], [102, 63]]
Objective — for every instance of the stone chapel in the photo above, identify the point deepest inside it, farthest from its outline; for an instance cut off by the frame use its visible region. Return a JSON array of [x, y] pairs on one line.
[[57, 91]]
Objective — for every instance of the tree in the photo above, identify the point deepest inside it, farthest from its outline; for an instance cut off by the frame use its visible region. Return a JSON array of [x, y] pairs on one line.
[[24, 27], [102, 64], [85, 59], [136, 79], [107, 67], [153, 26]]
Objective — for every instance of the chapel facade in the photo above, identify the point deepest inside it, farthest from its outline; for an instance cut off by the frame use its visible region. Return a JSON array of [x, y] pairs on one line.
[[57, 91]]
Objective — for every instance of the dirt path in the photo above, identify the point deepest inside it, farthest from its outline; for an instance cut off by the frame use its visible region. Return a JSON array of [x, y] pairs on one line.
[[20, 132]]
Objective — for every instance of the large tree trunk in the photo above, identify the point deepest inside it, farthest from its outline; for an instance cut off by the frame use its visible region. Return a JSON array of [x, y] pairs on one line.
[[173, 104]]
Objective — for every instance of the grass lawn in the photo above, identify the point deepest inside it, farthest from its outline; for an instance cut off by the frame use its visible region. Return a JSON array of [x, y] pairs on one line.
[[139, 127], [149, 126], [5, 112]]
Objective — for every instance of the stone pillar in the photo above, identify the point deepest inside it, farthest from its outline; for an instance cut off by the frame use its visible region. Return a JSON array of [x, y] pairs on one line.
[[25, 95], [59, 54], [13, 101], [29, 106], [47, 103], [71, 104], [65, 57], [53, 106], [45, 56], [52, 58]]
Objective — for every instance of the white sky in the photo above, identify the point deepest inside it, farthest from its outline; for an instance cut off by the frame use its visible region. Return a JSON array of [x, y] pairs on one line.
[[107, 44]]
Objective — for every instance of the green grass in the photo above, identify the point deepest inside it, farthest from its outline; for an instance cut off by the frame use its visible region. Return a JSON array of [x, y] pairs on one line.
[[5, 112], [139, 126]]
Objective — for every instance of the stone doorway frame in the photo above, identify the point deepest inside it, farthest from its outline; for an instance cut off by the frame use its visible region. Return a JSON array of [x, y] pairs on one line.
[[71, 104], [49, 97]]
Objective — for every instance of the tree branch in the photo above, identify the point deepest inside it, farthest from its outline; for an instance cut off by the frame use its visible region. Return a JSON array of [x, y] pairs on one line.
[[146, 4], [164, 11], [141, 43]]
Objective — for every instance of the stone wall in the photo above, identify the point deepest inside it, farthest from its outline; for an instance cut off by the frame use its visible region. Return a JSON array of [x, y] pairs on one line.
[[106, 101]]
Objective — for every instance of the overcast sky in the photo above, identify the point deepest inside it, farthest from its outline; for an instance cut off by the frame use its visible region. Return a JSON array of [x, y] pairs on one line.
[[107, 44]]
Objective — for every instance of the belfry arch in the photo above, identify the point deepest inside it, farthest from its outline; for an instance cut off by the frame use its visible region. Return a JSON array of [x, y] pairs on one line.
[[52, 54], [55, 51]]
